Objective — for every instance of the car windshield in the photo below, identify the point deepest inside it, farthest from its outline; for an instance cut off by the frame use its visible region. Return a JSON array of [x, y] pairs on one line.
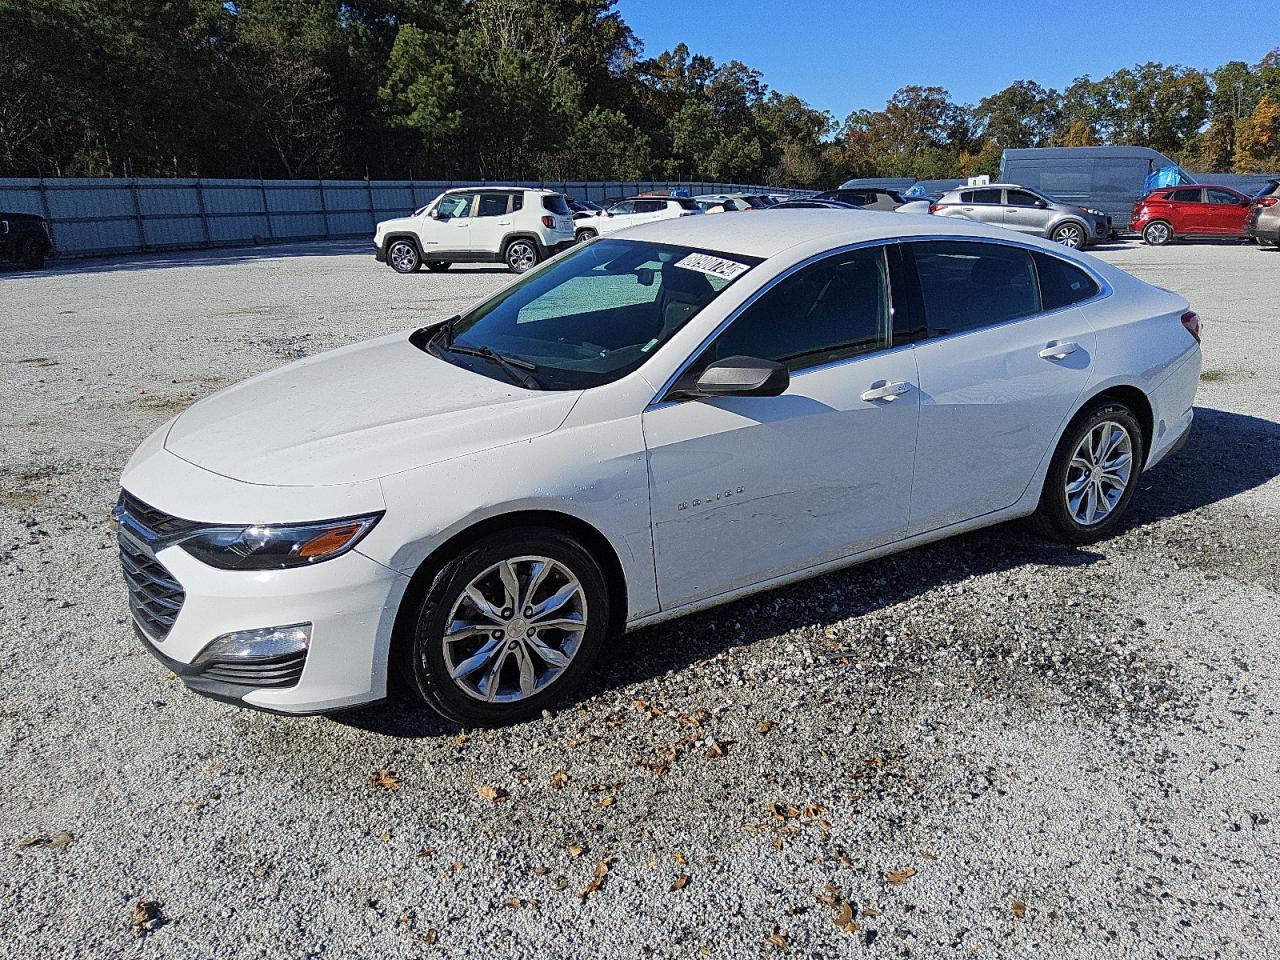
[[593, 315]]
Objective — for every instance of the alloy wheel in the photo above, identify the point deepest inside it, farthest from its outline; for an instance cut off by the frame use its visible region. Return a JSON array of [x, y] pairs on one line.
[[1069, 235], [1099, 473], [521, 256], [514, 629], [403, 256], [1157, 233]]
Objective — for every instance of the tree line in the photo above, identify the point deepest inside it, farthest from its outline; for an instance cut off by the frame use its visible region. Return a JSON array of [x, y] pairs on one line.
[[510, 89]]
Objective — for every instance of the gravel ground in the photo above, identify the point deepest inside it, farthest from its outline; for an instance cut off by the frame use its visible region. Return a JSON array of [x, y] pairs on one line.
[[986, 747]]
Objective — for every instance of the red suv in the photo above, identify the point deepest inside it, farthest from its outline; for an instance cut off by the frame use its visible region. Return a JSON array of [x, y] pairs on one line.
[[1206, 210]]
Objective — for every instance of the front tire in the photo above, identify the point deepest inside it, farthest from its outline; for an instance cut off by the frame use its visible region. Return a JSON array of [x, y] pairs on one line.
[[32, 253], [521, 255], [509, 626], [586, 233], [1093, 475], [1070, 235], [1157, 233], [403, 256]]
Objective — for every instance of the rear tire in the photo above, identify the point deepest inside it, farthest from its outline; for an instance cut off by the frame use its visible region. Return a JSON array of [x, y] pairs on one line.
[[1157, 233], [519, 662], [32, 253], [439, 266], [403, 256], [1093, 475], [521, 255]]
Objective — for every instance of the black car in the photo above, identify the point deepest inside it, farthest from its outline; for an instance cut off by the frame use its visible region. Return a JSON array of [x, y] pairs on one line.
[[813, 203], [24, 239], [869, 198]]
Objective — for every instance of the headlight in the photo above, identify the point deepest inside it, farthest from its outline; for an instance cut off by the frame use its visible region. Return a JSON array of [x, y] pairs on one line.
[[277, 547]]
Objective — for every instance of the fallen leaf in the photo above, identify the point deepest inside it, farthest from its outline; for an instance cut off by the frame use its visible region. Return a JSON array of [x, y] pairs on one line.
[[844, 919], [146, 917], [870, 912], [431, 936], [900, 875], [541, 871], [830, 896], [1019, 909], [680, 882], [716, 750], [559, 780], [764, 726], [576, 850], [777, 939], [678, 857], [603, 866], [591, 888], [605, 802], [492, 794], [384, 780]]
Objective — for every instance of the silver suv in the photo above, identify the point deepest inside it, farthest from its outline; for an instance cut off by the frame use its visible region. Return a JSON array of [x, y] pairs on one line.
[[1023, 209]]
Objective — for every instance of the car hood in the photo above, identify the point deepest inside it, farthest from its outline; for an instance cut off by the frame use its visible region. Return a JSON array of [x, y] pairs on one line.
[[358, 413]]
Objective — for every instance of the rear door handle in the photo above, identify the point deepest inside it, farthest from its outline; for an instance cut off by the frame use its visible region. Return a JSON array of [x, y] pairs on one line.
[[888, 391], [1059, 351], [504, 223]]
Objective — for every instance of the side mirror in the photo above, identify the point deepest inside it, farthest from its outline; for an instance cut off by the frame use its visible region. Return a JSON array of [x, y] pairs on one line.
[[1042, 205], [738, 377], [433, 213]]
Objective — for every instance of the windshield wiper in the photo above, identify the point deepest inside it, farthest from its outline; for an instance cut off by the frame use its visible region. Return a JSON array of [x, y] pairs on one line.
[[515, 367]]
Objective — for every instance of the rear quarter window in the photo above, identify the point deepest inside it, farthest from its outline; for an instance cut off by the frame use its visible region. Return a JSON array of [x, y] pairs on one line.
[[1062, 283], [555, 203]]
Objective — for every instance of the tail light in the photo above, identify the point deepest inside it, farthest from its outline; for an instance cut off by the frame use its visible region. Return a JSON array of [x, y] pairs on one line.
[[935, 207], [1267, 201], [1191, 320], [548, 222]]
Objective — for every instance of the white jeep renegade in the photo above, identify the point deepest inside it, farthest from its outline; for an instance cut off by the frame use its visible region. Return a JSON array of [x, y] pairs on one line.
[[512, 225]]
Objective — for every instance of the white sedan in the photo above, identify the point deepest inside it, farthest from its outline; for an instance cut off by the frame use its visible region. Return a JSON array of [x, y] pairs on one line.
[[644, 426]]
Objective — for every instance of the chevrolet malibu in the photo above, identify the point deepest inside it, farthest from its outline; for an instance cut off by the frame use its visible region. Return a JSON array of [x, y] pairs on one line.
[[646, 425]]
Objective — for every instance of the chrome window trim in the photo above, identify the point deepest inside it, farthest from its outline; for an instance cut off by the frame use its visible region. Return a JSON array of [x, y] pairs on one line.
[[1104, 290]]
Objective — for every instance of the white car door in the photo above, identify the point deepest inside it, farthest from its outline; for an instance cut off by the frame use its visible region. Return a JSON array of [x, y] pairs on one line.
[[449, 231], [999, 373], [491, 223], [744, 489], [620, 216]]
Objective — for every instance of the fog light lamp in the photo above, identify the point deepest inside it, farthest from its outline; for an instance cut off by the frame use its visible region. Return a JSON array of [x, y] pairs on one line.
[[264, 643]]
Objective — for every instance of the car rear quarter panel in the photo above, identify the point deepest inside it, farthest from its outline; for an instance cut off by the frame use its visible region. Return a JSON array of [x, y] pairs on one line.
[[1142, 343]]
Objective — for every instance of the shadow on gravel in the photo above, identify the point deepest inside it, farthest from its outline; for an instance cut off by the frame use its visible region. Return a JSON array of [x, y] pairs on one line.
[[219, 257], [1227, 454]]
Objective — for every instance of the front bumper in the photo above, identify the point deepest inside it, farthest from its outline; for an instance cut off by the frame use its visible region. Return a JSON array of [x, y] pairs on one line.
[[350, 601]]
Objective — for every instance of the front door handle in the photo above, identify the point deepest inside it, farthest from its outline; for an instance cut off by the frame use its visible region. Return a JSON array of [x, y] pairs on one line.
[[504, 223], [887, 391], [1059, 351]]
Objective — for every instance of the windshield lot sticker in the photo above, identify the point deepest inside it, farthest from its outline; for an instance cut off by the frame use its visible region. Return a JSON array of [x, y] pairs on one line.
[[716, 266]]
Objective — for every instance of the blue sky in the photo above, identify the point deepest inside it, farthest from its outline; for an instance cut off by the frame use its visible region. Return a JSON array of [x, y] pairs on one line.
[[842, 56]]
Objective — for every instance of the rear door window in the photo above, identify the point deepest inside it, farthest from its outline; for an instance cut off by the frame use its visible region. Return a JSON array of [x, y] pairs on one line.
[[965, 285], [493, 204]]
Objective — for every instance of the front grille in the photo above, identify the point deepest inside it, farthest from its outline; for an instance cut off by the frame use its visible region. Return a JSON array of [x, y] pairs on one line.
[[283, 671], [154, 596], [157, 521]]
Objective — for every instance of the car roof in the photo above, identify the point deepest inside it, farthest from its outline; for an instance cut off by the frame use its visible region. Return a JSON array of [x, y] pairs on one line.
[[493, 188], [769, 236]]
